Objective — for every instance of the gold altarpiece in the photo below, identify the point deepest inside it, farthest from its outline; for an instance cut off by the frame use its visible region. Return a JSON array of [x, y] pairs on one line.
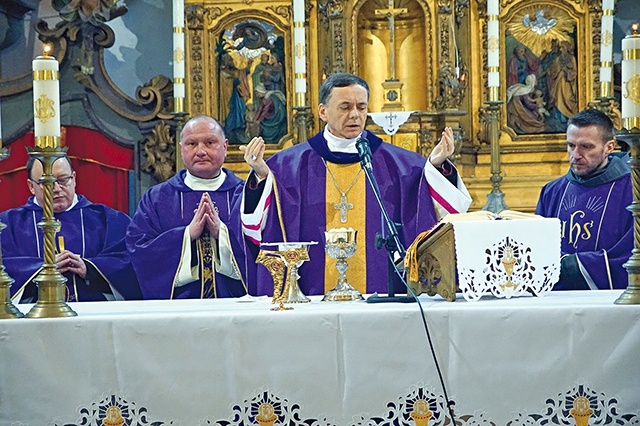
[[423, 56]]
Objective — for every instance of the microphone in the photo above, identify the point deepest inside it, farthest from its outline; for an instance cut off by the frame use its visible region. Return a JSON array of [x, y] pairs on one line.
[[364, 151]]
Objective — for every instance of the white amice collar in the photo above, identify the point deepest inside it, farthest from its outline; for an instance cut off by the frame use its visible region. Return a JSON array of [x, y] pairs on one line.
[[199, 184], [336, 144], [73, 202]]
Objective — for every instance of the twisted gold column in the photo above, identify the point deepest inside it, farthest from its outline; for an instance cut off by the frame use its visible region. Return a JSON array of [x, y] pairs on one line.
[[50, 282], [7, 309], [631, 296]]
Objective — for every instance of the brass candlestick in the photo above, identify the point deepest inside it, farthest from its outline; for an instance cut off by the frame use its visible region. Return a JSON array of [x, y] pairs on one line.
[[50, 282], [8, 310], [495, 199], [631, 296]]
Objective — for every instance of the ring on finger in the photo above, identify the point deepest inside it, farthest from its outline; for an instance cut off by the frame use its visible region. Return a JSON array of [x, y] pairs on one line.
[[253, 157]]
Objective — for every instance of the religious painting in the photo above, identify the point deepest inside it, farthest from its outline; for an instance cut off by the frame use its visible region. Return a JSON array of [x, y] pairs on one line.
[[251, 81], [541, 70]]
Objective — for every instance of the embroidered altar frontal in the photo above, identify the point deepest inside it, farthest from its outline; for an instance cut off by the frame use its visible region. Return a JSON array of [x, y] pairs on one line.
[[567, 358]]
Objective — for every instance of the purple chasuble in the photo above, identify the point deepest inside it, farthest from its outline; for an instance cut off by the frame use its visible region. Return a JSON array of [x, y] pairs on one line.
[[596, 224], [300, 176], [93, 231], [156, 233]]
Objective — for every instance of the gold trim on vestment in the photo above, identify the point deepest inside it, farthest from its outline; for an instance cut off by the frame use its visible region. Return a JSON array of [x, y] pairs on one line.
[[344, 174]]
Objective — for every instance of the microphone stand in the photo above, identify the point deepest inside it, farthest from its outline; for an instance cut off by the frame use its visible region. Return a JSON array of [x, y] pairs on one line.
[[392, 243]]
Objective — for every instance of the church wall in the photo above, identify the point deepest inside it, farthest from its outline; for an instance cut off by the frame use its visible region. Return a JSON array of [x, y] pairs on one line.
[[142, 51]]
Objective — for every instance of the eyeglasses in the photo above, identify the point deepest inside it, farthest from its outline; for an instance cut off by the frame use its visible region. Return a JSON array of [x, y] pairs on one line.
[[62, 181]]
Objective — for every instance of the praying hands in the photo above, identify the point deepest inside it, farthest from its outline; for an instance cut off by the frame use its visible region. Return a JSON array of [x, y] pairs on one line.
[[205, 217]]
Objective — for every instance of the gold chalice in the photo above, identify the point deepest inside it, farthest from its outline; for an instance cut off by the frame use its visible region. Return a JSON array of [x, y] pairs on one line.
[[341, 245]]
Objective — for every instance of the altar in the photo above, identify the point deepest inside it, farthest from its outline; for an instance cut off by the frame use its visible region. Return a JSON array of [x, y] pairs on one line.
[[565, 358]]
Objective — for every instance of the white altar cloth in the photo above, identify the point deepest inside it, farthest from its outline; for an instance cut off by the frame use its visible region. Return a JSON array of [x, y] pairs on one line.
[[213, 362]]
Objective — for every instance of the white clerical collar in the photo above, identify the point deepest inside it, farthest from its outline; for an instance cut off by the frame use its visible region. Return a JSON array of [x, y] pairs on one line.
[[73, 202], [199, 184], [337, 144]]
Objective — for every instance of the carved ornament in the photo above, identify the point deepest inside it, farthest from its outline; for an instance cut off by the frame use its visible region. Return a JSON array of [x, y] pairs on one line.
[[160, 150]]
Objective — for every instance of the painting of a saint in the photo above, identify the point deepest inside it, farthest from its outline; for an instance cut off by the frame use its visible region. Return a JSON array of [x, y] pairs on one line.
[[251, 82]]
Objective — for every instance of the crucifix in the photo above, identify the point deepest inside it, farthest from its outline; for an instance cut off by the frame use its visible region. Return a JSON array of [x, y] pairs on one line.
[[390, 13], [343, 206]]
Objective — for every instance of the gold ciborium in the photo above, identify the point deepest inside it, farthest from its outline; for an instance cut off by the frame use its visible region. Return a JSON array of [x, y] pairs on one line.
[[341, 245], [283, 261]]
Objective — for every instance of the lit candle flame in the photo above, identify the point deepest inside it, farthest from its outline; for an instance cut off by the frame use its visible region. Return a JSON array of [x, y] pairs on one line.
[[634, 28], [46, 49]]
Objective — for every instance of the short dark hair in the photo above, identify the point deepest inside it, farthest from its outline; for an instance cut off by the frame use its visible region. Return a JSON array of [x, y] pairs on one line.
[[340, 80], [203, 117], [32, 160], [594, 117]]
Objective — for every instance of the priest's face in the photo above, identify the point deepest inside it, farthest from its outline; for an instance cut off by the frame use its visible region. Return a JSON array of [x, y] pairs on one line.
[[63, 190], [345, 111], [587, 149], [203, 148]]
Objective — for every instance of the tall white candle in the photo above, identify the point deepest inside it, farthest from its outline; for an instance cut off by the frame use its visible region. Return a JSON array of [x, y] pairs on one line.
[[631, 80], [493, 49], [178, 55], [606, 49], [46, 102], [300, 54]]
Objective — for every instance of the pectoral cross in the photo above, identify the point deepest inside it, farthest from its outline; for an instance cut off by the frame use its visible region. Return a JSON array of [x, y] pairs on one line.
[[343, 206], [390, 12]]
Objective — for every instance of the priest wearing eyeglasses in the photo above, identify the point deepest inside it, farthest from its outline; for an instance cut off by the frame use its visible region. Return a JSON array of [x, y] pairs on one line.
[[90, 246]]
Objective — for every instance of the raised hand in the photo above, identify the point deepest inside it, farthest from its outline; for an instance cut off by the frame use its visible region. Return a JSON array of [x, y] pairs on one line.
[[254, 156], [444, 148]]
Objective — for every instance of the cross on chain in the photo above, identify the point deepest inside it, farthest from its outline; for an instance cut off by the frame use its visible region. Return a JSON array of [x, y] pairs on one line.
[[343, 206]]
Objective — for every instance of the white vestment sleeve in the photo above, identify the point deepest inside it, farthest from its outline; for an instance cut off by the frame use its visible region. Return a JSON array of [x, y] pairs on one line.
[[223, 254], [253, 223], [186, 273], [446, 198]]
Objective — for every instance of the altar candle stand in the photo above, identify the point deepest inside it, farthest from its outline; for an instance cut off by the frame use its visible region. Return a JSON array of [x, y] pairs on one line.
[[46, 107], [302, 115], [495, 199], [179, 113], [7, 309], [630, 134]]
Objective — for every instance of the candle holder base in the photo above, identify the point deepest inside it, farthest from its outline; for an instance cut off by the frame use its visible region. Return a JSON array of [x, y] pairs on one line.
[[7, 308], [631, 296], [51, 288]]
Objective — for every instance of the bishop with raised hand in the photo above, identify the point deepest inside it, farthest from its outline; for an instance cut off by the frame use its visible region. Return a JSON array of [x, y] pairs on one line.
[[302, 191]]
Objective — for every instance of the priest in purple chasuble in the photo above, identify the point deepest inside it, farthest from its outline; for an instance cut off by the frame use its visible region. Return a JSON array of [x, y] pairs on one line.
[[91, 251], [185, 239], [591, 202], [302, 191]]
